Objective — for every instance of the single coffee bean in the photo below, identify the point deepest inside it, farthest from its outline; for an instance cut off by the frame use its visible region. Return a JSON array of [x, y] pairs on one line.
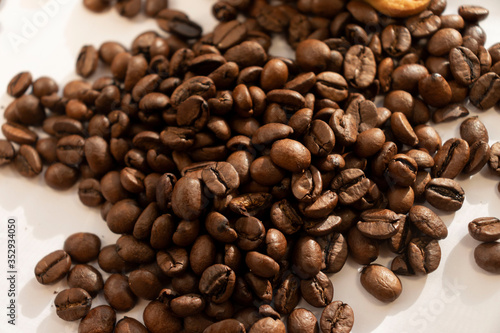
[[261, 265], [396, 40], [110, 262], [484, 92], [435, 90], [87, 61], [485, 229], [172, 261], [363, 250], [87, 278], [82, 247], [424, 255], [494, 160], [464, 65], [351, 185], [217, 283], [381, 282], [445, 194], [158, 317], [443, 41], [7, 152], [317, 291], [402, 129], [28, 162], [134, 251], [288, 294], [188, 200], [53, 267], [449, 113], [100, 319], [72, 304], [302, 321], [307, 257], [337, 317], [379, 223], [473, 13], [402, 169], [19, 134], [472, 130], [118, 293], [144, 284], [428, 222], [487, 256], [227, 325], [130, 325], [360, 66], [60, 176], [451, 159], [19, 84], [424, 24]]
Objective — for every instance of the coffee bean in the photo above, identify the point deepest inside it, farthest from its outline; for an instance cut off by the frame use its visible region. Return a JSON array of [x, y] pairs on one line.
[[451, 158], [381, 282], [424, 255], [424, 24], [134, 251], [7, 152], [19, 84], [473, 13], [443, 41], [396, 40], [302, 321], [359, 66], [449, 113], [317, 291], [369, 142], [159, 318], [87, 61], [406, 77], [188, 200], [435, 90], [464, 65], [227, 325], [332, 85], [53, 267], [72, 304], [217, 283], [483, 93], [110, 262], [144, 284], [60, 176], [82, 247], [307, 257], [118, 293], [288, 294], [28, 162], [487, 257], [19, 134], [379, 223], [472, 130], [485, 229], [337, 317], [445, 194], [86, 277], [101, 319], [428, 222]]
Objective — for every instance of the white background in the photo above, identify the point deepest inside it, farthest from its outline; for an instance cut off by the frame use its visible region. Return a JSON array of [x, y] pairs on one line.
[[458, 297]]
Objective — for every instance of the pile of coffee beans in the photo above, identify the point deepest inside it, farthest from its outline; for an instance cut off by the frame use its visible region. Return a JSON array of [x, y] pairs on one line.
[[238, 180]]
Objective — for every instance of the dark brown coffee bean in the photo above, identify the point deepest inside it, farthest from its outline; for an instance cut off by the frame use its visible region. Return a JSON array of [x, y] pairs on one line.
[[128, 8], [19, 84], [317, 291], [60, 176], [464, 65], [134, 251], [290, 155], [123, 216], [337, 317], [428, 138], [217, 283], [332, 86], [19, 133], [172, 261], [359, 66], [129, 325], [158, 317], [485, 229], [364, 250], [28, 162], [83, 247], [53, 267], [484, 92], [87, 278], [87, 61], [72, 304], [424, 255], [307, 258], [487, 256], [435, 90], [379, 223], [144, 284], [227, 325], [473, 13], [451, 158], [472, 130], [396, 40], [406, 77], [369, 142], [423, 24], [494, 161], [110, 262], [302, 321], [288, 294], [100, 319], [445, 194], [381, 282], [443, 41], [188, 200], [7, 152], [449, 113], [118, 293], [261, 265], [246, 54]]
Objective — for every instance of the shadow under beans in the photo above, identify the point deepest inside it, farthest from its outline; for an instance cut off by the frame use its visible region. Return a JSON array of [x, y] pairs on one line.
[[34, 298], [469, 283]]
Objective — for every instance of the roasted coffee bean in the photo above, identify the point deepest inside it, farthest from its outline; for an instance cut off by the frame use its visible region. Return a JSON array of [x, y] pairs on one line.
[[158, 317], [288, 294], [83, 247], [364, 250], [118, 293], [72, 304], [464, 65], [423, 24], [381, 282], [28, 162], [172, 261], [87, 61], [402, 169], [351, 185], [485, 229], [337, 317], [424, 255], [484, 92], [396, 40], [87, 278], [285, 217], [334, 247], [302, 321], [53, 267], [379, 223], [123, 215], [261, 265], [428, 222], [217, 283], [472, 130], [188, 200], [443, 41], [345, 127], [110, 262], [19, 84], [406, 77], [449, 113], [451, 159], [445, 194], [359, 66], [60, 176], [435, 90], [333, 85], [221, 178], [494, 161], [7, 152], [487, 256], [428, 138], [317, 291], [134, 251], [101, 319], [144, 284], [307, 258], [369, 142], [19, 134], [130, 325]]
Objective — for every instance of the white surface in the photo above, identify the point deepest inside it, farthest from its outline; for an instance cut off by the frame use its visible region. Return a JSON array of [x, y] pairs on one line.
[[458, 297]]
